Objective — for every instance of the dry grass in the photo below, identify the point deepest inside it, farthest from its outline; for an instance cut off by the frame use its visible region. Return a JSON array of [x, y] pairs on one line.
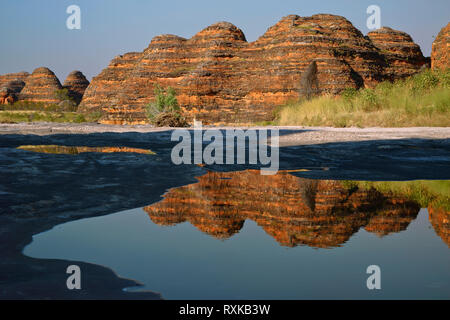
[[46, 116], [425, 192], [420, 101]]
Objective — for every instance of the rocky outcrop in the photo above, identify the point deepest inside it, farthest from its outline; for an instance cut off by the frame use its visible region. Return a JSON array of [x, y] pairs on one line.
[[221, 78], [40, 86], [294, 211], [440, 54], [7, 96], [10, 86], [403, 57], [76, 83], [9, 92], [102, 91], [7, 78]]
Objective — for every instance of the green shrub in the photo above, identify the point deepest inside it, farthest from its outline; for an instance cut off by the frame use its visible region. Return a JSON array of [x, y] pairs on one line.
[[369, 100], [424, 81], [164, 107], [349, 93], [63, 95]]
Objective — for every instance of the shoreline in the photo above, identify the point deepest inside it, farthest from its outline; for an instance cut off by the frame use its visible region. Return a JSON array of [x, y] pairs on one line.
[[290, 135]]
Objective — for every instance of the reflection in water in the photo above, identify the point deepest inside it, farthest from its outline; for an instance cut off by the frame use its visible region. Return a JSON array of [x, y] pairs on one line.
[[440, 220], [297, 211], [55, 149]]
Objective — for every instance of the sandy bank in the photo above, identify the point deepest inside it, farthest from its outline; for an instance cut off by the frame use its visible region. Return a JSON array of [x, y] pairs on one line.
[[289, 135]]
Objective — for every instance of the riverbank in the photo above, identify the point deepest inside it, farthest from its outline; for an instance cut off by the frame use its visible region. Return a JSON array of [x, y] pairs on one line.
[[289, 135]]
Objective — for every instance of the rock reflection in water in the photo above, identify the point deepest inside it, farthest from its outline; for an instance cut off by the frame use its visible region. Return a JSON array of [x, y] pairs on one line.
[[55, 149], [440, 220], [294, 211]]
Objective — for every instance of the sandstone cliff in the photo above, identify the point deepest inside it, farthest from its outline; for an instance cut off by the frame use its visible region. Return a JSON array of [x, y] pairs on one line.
[[40, 86], [221, 78], [76, 83], [440, 55]]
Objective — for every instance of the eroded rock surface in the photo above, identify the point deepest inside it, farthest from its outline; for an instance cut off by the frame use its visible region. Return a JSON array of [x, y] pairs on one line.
[[76, 83], [221, 78], [440, 55], [10, 86], [40, 86]]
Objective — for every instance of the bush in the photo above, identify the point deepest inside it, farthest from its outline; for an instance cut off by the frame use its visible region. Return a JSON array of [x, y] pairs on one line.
[[63, 95], [169, 119], [369, 100], [424, 81], [349, 93], [165, 111]]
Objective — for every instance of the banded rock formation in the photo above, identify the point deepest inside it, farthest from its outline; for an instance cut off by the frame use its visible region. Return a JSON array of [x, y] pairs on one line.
[[221, 78], [8, 77], [294, 211], [76, 83], [10, 86], [440, 55], [40, 86], [403, 57]]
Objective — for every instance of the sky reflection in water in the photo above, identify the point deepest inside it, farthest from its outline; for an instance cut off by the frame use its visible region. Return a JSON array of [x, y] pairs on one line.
[[272, 237]]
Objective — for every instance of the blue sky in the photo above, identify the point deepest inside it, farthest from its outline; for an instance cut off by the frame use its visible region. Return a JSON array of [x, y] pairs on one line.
[[35, 34]]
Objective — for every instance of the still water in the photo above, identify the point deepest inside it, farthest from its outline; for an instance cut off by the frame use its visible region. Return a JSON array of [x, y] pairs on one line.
[[240, 235]]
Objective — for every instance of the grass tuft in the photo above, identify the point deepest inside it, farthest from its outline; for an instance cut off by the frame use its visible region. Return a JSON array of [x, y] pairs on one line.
[[422, 100]]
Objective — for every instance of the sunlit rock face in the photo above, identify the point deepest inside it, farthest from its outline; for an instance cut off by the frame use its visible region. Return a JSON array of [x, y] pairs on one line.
[[10, 86], [221, 78], [403, 57], [440, 54], [76, 83], [294, 211], [7, 96], [40, 86], [19, 76]]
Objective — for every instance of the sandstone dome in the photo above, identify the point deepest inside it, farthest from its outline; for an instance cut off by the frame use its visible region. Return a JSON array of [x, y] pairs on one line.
[[40, 86], [221, 31], [76, 83]]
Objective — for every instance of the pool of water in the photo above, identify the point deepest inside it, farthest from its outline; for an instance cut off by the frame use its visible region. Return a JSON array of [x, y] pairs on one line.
[[240, 235]]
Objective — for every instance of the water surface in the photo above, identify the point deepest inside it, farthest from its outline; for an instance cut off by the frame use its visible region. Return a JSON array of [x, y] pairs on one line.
[[240, 235]]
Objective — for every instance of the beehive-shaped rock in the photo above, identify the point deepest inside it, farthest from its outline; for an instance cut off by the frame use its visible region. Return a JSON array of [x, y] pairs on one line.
[[404, 57], [41, 86], [221, 78], [76, 83]]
